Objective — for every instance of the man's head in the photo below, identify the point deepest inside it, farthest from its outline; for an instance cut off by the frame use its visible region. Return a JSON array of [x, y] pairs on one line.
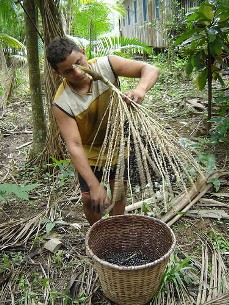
[[59, 49]]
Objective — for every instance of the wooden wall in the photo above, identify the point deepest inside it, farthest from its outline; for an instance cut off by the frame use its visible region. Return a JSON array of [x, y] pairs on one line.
[[151, 30]]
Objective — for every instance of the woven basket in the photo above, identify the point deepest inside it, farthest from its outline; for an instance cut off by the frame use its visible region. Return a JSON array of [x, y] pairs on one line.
[[130, 285]]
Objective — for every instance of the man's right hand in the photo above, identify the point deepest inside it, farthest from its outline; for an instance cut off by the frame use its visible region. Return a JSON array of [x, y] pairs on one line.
[[99, 198]]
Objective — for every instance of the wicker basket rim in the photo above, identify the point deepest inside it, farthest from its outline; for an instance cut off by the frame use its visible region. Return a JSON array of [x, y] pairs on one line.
[[126, 268]]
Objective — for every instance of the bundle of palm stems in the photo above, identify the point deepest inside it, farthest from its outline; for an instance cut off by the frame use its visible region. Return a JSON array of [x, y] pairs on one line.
[[155, 158]]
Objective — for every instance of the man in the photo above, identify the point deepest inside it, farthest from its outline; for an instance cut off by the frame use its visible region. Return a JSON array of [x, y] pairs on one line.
[[79, 106]]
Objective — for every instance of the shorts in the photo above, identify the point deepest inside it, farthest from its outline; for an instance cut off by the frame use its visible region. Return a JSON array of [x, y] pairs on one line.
[[99, 173]]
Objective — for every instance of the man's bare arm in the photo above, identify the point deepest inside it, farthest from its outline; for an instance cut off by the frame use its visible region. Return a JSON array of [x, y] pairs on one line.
[[70, 133], [147, 74]]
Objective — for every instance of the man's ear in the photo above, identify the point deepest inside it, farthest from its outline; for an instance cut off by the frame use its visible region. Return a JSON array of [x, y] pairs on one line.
[[83, 51]]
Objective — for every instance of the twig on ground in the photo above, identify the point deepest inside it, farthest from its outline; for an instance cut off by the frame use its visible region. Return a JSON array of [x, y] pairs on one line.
[[25, 144], [212, 202]]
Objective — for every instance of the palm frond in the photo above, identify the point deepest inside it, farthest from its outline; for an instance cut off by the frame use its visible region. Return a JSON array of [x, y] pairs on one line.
[[117, 45], [220, 300], [213, 278], [7, 41], [19, 231]]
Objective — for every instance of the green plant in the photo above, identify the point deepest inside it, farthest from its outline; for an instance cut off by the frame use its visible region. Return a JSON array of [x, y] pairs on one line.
[[65, 168], [9, 41], [50, 225], [208, 160], [1, 90], [20, 191], [145, 209], [58, 258], [220, 131], [5, 262], [219, 241], [64, 298], [122, 46], [205, 158], [215, 182], [172, 26], [220, 121], [33, 288], [177, 272], [8, 260], [205, 42]]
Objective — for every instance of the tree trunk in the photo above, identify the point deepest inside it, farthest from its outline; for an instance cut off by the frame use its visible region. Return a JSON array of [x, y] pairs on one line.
[[38, 117], [210, 62], [68, 16]]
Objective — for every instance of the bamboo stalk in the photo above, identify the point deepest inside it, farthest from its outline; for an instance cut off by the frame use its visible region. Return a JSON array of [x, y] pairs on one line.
[[194, 194]]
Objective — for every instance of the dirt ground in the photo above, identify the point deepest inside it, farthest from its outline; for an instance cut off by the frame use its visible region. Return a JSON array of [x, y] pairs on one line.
[[31, 258]]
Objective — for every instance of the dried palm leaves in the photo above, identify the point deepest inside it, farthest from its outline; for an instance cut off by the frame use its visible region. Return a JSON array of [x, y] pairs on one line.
[[208, 281], [19, 231], [84, 281], [214, 283]]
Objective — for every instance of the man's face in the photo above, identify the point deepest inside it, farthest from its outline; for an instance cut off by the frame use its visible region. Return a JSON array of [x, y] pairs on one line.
[[73, 75]]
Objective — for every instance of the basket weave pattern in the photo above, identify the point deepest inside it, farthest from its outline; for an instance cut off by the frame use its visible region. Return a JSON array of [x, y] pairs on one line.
[[130, 285]]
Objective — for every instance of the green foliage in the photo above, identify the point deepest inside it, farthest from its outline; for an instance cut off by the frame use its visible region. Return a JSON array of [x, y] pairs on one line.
[[58, 258], [219, 241], [220, 126], [65, 167], [10, 260], [90, 19], [20, 191], [222, 102], [50, 225], [9, 41], [32, 290], [172, 26], [1, 90], [121, 46], [221, 130], [177, 272], [215, 182], [208, 160], [205, 158], [12, 20], [145, 209], [206, 35]]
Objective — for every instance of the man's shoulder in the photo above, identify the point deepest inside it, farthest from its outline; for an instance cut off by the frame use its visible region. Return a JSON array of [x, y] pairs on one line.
[[98, 60], [60, 90], [103, 66]]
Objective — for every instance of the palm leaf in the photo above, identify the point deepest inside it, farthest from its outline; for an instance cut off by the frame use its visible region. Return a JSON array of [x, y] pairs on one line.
[[9, 41], [117, 45]]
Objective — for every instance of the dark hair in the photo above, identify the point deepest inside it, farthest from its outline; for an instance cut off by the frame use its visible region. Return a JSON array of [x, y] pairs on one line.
[[59, 49]]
